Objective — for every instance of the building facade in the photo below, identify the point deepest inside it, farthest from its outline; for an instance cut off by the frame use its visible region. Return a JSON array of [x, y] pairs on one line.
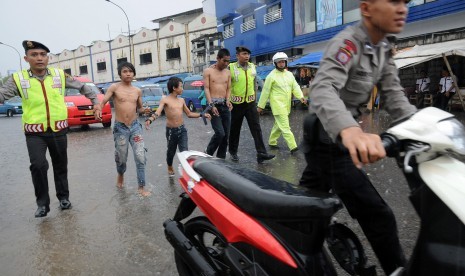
[[156, 52], [299, 27]]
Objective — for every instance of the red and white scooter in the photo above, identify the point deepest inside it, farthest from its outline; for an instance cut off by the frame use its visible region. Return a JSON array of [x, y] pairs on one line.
[[253, 224]]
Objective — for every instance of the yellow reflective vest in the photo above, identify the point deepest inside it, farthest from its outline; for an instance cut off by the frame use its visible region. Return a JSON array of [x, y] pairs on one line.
[[242, 83], [43, 101]]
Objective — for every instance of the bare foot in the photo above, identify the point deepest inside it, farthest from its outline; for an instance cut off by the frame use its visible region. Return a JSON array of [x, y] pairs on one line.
[[119, 181], [170, 171], [143, 192]]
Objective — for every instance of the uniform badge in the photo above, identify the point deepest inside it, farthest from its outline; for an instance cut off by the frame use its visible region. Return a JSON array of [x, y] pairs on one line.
[[30, 44], [350, 46], [346, 52], [343, 56]]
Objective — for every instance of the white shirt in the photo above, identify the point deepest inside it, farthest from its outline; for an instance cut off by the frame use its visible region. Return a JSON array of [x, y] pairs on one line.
[[423, 84], [446, 83]]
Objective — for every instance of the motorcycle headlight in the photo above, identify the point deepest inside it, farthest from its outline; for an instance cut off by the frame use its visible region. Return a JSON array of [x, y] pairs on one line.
[[455, 130]]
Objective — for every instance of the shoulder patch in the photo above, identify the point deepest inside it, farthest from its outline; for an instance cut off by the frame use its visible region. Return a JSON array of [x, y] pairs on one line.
[[343, 56], [350, 46]]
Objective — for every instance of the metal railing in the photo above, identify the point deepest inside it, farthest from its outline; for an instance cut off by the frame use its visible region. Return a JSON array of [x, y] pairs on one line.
[[247, 26], [273, 16], [228, 33]]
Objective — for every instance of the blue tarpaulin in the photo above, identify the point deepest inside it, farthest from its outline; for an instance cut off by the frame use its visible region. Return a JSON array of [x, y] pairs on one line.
[[310, 59]]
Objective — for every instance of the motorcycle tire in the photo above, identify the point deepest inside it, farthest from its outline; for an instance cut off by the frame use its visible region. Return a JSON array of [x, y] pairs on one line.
[[347, 249], [211, 243]]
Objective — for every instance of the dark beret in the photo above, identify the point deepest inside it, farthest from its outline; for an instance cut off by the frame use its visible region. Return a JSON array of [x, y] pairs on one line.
[[240, 49], [30, 45]]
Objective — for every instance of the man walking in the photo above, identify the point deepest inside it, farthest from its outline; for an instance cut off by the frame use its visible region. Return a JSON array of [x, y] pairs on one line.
[[279, 87], [243, 101], [217, 83]]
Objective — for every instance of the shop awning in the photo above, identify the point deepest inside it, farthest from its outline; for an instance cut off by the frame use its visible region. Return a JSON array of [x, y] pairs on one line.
[[310, 59], [422, 53]]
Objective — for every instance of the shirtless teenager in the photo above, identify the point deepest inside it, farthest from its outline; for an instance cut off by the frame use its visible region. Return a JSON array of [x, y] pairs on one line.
[[176, 133], [217, 83], [127, 99]]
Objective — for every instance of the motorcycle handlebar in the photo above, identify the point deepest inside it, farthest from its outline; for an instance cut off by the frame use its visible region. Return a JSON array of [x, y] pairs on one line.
[[390, 143]]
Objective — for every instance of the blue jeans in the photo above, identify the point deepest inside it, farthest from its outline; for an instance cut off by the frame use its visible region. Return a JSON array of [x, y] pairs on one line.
[[123, 136], [176, 137], [221, 125]]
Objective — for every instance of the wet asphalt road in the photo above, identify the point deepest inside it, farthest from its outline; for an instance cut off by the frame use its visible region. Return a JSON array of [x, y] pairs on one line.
[[116, 232]]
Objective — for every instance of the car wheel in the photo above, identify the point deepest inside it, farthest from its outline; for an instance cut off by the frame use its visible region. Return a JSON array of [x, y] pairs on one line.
[[9, 113], [191, 106], [108, 124]]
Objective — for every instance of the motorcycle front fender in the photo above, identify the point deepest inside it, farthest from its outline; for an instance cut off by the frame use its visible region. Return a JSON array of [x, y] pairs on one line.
[[445, 176]]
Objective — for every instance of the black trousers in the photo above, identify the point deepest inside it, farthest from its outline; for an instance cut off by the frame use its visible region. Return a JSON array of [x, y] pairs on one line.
[[57, 144], [221, 125], [249, 111], [329, 167], [443, 100]]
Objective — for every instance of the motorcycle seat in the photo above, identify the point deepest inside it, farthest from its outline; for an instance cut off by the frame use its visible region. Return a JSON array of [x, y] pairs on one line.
[[264, 196]]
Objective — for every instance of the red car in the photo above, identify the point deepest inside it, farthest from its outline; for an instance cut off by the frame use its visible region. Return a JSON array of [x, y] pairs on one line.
[[80, 109]]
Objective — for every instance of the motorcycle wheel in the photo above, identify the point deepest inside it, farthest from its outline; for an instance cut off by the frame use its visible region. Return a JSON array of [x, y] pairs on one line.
[[347, 249], [206, 237]]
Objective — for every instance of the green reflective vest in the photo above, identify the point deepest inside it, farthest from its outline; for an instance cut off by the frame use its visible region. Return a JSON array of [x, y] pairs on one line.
[[43, 101], [242, 83]]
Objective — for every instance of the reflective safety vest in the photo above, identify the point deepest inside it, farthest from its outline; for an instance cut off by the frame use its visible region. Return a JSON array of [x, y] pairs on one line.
[[43, 101], [242, 83]]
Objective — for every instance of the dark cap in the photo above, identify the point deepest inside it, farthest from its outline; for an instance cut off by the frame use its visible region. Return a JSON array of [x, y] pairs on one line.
[[240, 49], [30, 45]]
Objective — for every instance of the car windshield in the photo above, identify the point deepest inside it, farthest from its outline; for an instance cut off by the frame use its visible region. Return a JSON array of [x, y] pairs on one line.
[[152, 91], [75, 92], [188, 86]]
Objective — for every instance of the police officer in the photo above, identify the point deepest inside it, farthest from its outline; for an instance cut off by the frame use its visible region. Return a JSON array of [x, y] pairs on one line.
[[44, 120], [243, 95], [355, 60], [279, 87]]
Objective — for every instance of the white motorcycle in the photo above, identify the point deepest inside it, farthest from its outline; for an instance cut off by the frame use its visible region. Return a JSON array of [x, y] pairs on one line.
[[427, 147]]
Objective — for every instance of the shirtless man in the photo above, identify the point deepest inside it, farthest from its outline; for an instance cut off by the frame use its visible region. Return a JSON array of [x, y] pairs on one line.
[[217, 83], [127, 129], [176, 133]]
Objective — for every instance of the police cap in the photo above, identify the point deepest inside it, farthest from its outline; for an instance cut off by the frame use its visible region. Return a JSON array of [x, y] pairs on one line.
[[240, 49], [31, 45]]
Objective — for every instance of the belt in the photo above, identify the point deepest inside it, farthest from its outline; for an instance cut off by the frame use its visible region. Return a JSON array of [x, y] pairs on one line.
[[179, 127], [219, 101]]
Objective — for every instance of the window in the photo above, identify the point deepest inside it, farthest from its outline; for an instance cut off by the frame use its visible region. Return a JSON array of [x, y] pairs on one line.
[[83, 70], [121, 60], [328, 13], [146, 58], [351, 11], [101, 66], [249, 23], [304, 17], [228, 31], [174, 53], [273, 13], [67, 71]]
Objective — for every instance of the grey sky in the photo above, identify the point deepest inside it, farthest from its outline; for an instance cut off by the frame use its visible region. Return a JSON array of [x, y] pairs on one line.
[[67, 24]]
